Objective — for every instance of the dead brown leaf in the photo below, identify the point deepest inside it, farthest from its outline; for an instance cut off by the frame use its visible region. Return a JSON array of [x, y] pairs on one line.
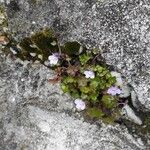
[[55, 80], [4, 40]]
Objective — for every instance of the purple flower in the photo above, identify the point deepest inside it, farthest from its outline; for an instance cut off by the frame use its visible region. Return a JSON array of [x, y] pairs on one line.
[[89, 74], [80, 105], [57, 54], [53, 59], [114, 90]]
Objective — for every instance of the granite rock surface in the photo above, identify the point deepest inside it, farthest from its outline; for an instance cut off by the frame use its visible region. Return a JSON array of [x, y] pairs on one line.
[[35, 115], [120, 28]]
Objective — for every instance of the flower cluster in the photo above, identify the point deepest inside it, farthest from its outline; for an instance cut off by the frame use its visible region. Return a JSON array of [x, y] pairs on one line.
[[87, 87]]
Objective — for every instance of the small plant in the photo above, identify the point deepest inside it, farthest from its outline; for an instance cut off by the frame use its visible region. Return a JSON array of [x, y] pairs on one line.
[[83, 73]]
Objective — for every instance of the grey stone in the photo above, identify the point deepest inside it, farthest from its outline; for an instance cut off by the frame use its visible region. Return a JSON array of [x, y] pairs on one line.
[[120, 28], [37, 115], [127, 110]]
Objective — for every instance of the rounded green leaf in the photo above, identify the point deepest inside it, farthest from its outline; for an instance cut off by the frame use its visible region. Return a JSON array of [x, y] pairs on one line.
[[64, 88], [85, 89], [84, 58], [109, 101]]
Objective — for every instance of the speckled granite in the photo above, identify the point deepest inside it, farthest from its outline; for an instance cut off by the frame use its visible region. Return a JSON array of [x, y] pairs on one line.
[[35, 115], [119, 27]]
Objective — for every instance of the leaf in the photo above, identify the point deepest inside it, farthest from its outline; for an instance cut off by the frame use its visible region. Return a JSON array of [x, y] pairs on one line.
[[108, 75], [82, 82], [72, 70], [84, 58], [95, 83], [55, 80], [94, 97], [109, 101], [111, 118], [75, 94], [84, 96], [85, 89], [43, 40], [64, 88], [98, 68], [95, 112], [103, 73], [68, 79], [112, 80], [4, 40], [102, 84]]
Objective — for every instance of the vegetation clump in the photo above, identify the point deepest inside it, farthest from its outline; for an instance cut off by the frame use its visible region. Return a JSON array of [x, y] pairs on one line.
[[82, 72]]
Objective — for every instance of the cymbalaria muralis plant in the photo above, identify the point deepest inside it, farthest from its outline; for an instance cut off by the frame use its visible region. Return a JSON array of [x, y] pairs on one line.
[[82, 73]]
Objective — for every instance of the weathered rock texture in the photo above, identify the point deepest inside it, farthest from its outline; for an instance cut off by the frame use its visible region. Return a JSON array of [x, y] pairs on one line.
[[35, 115], [119, 27]]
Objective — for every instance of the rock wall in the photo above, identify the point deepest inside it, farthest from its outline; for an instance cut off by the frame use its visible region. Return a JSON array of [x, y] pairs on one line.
[[35, 114], [119, 28]]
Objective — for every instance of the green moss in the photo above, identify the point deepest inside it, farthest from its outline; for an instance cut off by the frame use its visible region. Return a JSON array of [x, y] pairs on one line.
[[26, 45], [43, 40], [71, 48], [26, 49], [42, 43], [95, 113], [93, 96], [109, 120]]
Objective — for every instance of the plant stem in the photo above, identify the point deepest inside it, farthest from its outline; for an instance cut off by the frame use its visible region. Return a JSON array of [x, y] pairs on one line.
[[59, 48]]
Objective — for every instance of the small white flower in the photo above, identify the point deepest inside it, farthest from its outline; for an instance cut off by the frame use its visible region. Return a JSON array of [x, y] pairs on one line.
[[80, 105], [53, 59], [89, 74]]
